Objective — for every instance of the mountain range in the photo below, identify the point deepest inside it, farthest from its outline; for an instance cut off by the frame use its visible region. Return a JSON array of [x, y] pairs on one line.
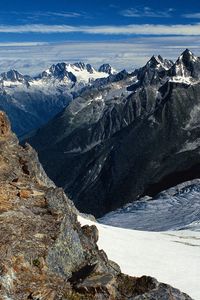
[[127, 135], [31, 101], [125, 148]]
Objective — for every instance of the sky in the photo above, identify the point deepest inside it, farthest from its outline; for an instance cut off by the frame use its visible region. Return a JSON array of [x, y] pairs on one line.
[[124, 33]]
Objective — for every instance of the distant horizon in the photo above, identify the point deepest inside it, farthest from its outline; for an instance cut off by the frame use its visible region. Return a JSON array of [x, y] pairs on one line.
[[36, 67], [122, 33]]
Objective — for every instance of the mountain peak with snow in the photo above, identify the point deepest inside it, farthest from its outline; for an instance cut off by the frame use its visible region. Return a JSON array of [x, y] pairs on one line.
[[154, 70], [32, 101], [12, 75], [76, 72], [186, 68]]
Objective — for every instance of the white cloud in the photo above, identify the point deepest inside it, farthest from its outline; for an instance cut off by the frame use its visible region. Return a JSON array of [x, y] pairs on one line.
[[22, 44], [133, 29], [192, 16], [38, 14], [63, 14], [146, 12]]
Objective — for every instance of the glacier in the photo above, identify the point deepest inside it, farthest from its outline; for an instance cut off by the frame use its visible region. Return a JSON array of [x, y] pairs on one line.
[[174, 209]]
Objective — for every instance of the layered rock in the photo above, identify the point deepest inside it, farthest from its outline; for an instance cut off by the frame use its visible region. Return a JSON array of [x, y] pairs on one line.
[[45, 253]]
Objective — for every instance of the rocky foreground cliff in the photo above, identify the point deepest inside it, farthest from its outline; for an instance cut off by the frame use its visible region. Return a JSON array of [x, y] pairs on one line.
[[45, 254]]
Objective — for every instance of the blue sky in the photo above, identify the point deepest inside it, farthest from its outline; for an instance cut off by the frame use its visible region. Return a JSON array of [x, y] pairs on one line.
[[34, 34]]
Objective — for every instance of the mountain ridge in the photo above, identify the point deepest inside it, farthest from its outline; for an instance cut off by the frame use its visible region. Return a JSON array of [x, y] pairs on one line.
[[31, 101], [122, 137]]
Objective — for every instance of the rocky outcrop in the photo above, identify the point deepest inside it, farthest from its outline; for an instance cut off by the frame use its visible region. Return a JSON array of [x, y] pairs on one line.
[[45, 254]]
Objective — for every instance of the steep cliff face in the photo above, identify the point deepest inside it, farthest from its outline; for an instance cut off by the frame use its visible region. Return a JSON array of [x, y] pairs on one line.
[[45, 253]]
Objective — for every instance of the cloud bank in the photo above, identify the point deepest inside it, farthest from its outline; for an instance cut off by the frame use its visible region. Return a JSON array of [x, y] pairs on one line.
[[192, 16], [146, 12], [133, 29]]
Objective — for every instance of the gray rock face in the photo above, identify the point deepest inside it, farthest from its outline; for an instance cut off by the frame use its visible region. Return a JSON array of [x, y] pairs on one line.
[[134, 135], [162, 292]]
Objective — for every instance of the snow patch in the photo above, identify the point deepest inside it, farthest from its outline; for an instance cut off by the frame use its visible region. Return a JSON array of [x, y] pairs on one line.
[[183, 79], [83, 75], [189, 146], [167, 256], [85, 149]]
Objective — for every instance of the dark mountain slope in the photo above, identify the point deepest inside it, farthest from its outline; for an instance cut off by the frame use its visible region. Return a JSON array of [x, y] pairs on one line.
[[126, 137]]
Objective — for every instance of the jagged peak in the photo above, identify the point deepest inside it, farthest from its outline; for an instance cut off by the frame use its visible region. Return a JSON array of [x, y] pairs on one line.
[[157, 61], [187, 55], [187, 66]]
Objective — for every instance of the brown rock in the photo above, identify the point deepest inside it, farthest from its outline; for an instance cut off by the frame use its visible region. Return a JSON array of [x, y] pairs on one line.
[[24, 194], [91, 232], [4, 125]]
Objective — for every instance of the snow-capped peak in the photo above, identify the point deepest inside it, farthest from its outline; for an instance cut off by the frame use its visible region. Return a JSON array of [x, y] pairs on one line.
[[76, 72], [186, 68]]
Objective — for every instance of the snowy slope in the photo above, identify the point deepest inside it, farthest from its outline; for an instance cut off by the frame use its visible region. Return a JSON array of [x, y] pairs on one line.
[[161, 250], [172, 257], [174, 209]]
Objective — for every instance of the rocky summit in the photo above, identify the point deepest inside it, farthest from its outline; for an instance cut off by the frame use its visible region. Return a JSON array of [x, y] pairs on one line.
[[45, 254]]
